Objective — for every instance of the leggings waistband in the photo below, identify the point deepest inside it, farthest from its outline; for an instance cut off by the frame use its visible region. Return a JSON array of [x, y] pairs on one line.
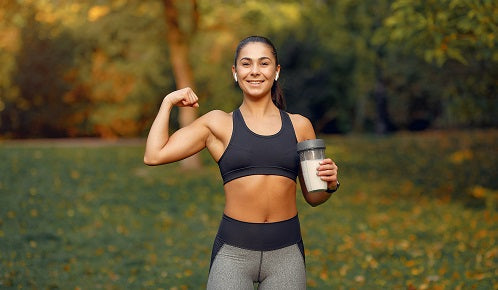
[[259, 236]]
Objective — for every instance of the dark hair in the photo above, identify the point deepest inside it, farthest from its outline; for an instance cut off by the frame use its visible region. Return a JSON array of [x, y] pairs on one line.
[[277, 95]]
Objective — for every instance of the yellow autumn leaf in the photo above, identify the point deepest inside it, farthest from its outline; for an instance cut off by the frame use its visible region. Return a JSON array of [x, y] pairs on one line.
[[324, 275], [75, 174], [34, 212], [99, 251], [316, 252], [416, 271], [478, 192], [121, 229], [152, 258], [188, 273], [461, 156], [97, 12], [343, 270], [311, 283], [46, 16], [475, 275]]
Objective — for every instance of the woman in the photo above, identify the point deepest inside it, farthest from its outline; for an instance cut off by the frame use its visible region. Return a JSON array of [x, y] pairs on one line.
[[259, 239]]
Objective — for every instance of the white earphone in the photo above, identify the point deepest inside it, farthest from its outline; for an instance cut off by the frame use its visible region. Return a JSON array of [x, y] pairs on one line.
[[235, 77]]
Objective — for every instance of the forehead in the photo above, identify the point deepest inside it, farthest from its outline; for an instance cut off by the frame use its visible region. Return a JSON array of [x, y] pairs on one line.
[[256, 50]]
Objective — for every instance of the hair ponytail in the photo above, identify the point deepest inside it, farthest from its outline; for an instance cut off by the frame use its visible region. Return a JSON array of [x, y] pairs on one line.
[[277, 96]]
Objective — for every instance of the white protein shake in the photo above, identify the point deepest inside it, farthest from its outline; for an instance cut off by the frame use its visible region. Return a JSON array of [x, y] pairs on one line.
[[313, 182], [311, 152]]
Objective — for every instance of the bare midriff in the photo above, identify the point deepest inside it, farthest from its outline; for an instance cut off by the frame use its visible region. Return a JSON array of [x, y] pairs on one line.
[[261, 198]]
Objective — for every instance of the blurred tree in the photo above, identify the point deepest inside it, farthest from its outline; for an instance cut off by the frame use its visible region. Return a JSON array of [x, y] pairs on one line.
[[334, 65], [459, 38], [75, 80], [441, 30], [97, 67], [178, 41], [122, 66], [31, 80], [10, 44]]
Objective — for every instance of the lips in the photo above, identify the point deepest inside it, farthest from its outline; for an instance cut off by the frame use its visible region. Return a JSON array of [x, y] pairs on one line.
[[255, 82]]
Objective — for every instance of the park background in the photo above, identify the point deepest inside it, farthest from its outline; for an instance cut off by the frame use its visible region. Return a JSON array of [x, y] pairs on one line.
[[403, 91]]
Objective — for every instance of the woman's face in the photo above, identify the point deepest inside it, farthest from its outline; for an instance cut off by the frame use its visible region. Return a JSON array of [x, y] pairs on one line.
[[256, 69]]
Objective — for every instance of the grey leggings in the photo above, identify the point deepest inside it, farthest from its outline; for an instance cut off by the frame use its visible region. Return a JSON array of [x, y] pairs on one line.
[[236, 268], [270, 254]]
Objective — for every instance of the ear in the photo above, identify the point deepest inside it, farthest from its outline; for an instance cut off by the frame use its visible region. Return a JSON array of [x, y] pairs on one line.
[[278, 72], [234, 72]]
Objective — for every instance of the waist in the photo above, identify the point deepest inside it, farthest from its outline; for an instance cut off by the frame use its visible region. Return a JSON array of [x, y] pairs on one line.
[[259, 198], [259, 236]]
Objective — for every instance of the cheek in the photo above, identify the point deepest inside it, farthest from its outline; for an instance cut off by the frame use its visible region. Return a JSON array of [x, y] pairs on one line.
[[270, 73]]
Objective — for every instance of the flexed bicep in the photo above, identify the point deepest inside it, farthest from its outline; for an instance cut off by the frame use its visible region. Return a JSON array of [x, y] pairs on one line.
[[183, 143], [162, 148]]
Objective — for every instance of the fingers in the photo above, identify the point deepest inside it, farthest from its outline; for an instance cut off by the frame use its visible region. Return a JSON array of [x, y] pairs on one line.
[[183, 98], [190, 98], [327, 163], [327, 170]]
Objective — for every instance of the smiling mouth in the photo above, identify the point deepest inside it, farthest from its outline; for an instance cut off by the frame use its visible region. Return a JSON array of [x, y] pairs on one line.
[[255, 82]]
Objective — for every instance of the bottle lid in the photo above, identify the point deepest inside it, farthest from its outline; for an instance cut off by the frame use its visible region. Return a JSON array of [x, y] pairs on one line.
[[311, 144]]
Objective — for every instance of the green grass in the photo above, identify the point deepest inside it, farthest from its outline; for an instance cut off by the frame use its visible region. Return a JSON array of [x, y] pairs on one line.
[[413, 212]]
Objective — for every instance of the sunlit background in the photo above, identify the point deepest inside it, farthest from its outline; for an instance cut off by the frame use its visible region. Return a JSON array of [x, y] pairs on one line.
[[100, 68], [404, 92]]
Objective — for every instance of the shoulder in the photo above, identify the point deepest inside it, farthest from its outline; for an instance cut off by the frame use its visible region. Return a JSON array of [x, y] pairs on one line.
[[300, 122], [215, 118], [216, 115], [302, 127]]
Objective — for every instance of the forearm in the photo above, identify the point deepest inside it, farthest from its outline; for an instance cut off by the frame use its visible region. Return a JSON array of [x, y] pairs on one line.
[[314, 198], [327, 172], [158, 134]]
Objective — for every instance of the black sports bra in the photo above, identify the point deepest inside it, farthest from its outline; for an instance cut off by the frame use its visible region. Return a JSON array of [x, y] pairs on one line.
[[249, 153]]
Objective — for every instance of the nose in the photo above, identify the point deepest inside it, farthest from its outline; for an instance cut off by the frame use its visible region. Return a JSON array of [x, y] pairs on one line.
[[255, 69]]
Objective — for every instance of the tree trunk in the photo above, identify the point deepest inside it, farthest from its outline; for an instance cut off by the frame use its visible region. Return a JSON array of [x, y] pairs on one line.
[[383, 124], [182, 70]]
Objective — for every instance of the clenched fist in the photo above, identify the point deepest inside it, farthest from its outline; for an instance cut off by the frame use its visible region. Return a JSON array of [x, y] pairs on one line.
[[182, 98]]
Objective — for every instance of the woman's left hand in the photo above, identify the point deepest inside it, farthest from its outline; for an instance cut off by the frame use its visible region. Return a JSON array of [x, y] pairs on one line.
[[328, 172]]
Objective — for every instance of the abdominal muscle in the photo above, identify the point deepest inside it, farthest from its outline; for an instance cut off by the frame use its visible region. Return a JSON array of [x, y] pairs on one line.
[[261, 198]]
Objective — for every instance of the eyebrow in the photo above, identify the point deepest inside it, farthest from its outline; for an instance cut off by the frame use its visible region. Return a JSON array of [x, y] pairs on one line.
[[261, 58]]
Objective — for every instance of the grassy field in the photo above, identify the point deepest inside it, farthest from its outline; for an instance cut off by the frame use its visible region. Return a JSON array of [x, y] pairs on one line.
[[415, 211]]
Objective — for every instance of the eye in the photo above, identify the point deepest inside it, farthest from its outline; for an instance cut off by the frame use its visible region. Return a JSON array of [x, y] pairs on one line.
[[245, 64], [265, 63]]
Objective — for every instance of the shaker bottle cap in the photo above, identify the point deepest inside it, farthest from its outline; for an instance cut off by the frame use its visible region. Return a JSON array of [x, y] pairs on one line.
[[311, 144]]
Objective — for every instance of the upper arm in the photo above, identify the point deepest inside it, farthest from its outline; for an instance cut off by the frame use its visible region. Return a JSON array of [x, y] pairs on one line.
[[302, 127], [185, 142]]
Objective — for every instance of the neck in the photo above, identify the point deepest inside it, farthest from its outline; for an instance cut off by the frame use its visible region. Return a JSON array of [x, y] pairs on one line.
[[258, 108]]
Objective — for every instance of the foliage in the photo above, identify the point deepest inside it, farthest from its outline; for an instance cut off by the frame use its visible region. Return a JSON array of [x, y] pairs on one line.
[[87, 65], [441, 30], [459, 38], [100, 68], [413, 212], [125, 77]]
